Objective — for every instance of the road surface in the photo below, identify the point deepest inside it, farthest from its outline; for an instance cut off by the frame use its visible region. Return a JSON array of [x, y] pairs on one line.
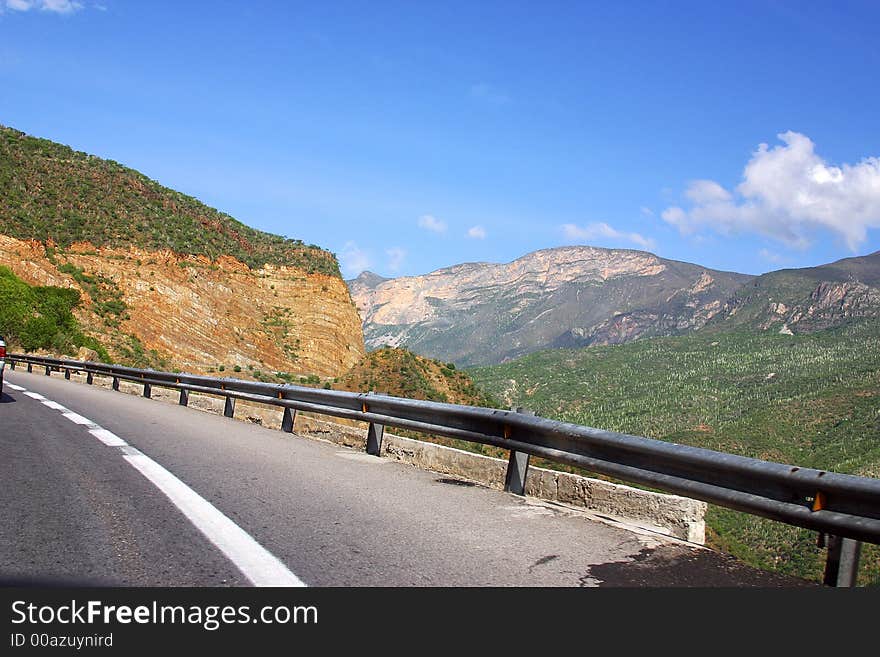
[[105, 488]]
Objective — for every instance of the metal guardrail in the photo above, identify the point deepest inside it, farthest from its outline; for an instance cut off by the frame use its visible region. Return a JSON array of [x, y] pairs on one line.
[[840, 505]]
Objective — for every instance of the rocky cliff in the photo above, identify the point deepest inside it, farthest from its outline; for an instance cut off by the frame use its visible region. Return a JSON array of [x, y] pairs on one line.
[[165, 280], [806, 300], [481, 313], [197, 313]]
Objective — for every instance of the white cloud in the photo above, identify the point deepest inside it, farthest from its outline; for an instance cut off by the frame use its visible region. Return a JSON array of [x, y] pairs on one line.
[[645, 210], [55, 6], [396, 256], [353, 260], [771, 256], [476, 233], [707, 191], [600, 230], [60, 6], [429, 222], [787, 192]]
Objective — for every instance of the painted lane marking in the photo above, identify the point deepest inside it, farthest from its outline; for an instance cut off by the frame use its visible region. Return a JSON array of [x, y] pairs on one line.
[[35, 395], [255, 562], [108, 437], [76, 418], [15, 387]]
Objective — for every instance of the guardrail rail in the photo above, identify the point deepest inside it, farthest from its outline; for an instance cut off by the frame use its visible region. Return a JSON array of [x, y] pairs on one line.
[[844, 508]]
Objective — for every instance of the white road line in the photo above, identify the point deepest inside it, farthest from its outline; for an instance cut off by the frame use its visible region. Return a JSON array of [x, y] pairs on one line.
[[252, 559], [255, 562], [15, 387], [108, 437], [77, 418]]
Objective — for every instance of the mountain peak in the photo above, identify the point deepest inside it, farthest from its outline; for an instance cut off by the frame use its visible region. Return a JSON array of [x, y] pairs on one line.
[[479, 313], [369, 278]]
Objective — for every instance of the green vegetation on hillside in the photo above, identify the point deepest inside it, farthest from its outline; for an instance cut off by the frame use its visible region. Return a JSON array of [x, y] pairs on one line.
[[401, 373], [105, 293], [48, 191], [37, 317], [750, 305], [810, 400]]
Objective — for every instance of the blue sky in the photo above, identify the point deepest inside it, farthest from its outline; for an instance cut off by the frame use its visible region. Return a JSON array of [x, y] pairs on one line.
[[411, 136]]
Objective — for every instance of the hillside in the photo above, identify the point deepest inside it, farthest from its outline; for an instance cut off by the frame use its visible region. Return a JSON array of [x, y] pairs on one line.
[[50, 192], [482, 313], [806, 300], [401, 373], [162, 280], [810, 400]]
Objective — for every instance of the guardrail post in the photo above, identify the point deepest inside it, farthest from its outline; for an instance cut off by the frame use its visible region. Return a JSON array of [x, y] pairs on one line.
[[67, 374], [48, 371], [184, 397], [842, 564], [148, 390], [375, 433], [374, 438], [517, 467], [12, 364], [229, 407], [30, 367], [90, 378], [288, 420], [116, 383]]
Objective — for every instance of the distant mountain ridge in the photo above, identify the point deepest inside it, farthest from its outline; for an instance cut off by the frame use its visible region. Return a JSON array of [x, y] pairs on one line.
[[806, 300], [481, 313], [484, 313]]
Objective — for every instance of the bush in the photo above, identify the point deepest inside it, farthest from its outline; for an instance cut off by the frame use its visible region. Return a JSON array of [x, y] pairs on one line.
[[41, 317], [37, 333]]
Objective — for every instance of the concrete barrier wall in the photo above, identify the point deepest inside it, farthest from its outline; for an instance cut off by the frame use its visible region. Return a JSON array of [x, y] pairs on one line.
[[672, 515]]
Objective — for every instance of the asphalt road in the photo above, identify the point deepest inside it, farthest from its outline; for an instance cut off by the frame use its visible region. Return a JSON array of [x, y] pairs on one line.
[[125, 491]]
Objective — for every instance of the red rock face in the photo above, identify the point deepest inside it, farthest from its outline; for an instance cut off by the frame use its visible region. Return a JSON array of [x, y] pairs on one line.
[[199, 314]]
